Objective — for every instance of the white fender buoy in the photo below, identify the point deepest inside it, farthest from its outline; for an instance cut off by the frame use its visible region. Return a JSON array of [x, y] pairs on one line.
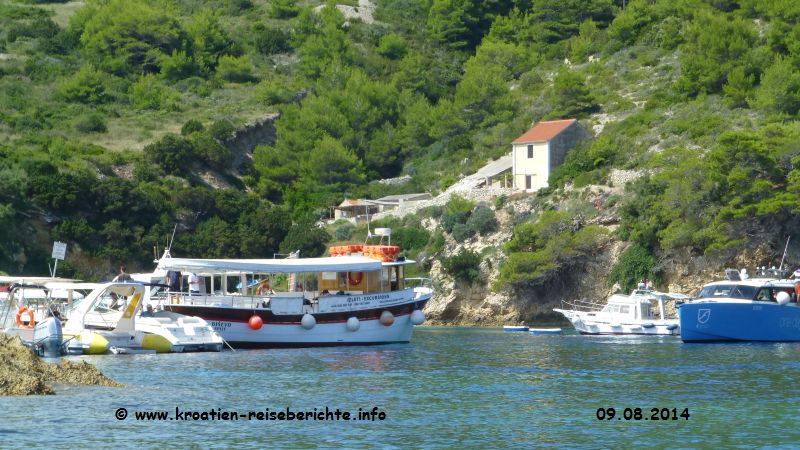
[[353, 324], [417, 317], [308, 321], [387, 318], [783, 298]]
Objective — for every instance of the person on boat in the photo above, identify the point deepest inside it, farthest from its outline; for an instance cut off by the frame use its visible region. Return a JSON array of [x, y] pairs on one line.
[[194, 284], [148, 312], [796, 274], [116, 303], [122, 276], [174, 279], [648, 284]]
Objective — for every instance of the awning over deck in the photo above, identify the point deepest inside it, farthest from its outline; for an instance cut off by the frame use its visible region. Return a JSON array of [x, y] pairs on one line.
[[289, 265]]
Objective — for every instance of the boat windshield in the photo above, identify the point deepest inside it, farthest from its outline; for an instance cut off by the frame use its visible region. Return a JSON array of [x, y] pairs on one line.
[[728, 291]]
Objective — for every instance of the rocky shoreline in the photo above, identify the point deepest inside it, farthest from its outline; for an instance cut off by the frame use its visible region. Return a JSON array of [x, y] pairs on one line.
[[23, 373]]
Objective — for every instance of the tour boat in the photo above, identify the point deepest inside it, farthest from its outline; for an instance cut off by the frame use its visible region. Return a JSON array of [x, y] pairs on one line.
[[624, 314], [347, 299], [758, 309]]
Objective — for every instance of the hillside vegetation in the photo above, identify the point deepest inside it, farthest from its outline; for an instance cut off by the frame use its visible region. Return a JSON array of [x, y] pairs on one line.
[[114, 117]]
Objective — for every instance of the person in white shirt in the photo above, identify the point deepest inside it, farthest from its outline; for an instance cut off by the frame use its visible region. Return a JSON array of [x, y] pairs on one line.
[[194, 284]]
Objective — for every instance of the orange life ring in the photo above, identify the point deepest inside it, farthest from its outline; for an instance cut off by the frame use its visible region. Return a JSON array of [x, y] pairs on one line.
[[22, 310], [354, 278]]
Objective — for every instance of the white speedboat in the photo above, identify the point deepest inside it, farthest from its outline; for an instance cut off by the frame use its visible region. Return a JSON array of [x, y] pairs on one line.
[[625, 314], [357, 297], [106, 312], [515, 328]]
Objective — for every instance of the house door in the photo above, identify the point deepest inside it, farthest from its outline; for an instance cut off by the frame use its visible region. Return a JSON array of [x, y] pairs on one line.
[[528, 181]]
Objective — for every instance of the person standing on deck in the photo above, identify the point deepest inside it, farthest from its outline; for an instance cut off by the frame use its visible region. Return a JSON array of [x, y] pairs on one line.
[[122, 276], [194, 284]]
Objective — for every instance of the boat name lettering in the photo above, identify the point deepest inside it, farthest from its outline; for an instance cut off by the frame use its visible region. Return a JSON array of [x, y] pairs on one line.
[[367, 298], [787, 322], [219, 326]]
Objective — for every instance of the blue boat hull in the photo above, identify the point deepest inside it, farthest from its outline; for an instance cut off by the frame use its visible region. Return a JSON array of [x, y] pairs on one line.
[[750, 321]]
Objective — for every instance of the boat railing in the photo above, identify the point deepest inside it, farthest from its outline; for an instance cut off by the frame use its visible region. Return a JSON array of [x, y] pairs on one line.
[[581, 305]]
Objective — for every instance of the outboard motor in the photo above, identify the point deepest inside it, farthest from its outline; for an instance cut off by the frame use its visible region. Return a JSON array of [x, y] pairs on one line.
[[47, 338]]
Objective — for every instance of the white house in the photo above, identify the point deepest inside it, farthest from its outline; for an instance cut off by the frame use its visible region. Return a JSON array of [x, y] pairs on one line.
[[541, 149]]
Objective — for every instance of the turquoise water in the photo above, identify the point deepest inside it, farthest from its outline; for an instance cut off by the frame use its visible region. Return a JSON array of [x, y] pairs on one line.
[[451, 387]]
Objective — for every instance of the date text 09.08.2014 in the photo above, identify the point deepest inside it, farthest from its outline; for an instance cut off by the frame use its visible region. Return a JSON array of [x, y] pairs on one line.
[[639, 414]]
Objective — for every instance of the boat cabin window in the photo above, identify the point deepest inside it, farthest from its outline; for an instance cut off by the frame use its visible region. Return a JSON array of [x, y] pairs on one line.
[[728, 290], [765, 295], [646, 313], [624, 309], [393, 276], [611, 308]]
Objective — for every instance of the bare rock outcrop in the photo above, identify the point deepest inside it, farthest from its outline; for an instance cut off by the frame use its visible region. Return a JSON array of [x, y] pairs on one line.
[[23, 373]]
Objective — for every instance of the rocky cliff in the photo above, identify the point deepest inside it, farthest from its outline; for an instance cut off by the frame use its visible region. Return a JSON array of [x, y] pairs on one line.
[[457, 303]]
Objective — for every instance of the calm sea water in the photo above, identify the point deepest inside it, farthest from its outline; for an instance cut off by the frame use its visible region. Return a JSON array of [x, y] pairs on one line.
[[451, 387]]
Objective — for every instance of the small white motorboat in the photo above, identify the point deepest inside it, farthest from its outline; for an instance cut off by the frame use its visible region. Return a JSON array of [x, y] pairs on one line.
[[625, 314], [515, 328]]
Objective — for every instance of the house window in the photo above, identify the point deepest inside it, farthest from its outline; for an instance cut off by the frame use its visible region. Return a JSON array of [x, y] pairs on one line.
[[528, 181], [530, 151]]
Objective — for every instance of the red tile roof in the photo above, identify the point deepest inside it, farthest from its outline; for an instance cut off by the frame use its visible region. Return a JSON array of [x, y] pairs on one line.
[[544, 131]]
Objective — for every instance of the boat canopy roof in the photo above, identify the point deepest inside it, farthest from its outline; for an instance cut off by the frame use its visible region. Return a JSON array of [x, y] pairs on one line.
[[755, 282], [288, 265], [7, 279], [645, 296]]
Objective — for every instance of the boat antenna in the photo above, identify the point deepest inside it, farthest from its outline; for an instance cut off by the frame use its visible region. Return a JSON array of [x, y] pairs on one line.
[[783, 258], [369, 233], [174, 229]]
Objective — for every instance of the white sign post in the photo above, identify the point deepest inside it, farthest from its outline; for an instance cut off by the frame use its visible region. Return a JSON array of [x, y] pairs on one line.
[[59, 252]]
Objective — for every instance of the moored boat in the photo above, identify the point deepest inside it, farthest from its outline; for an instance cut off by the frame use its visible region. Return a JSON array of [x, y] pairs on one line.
[[515, 328], [758, 309], [114, 312], [544, 331], [348, 299], [625, 314]]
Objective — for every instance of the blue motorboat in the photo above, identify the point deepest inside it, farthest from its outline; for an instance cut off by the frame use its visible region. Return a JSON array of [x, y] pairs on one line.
[[759, 309]]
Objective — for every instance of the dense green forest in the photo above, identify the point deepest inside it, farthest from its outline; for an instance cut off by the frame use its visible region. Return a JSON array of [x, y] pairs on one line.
[[114, 115]]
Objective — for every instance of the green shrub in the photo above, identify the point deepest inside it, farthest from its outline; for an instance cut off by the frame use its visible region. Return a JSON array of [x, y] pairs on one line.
[[273, 93], [482, 221], [270, 40], [86, 86], [464, 266], [91, 123], [178, 66], [236, 69], [149, 93], [222, 130], [634, 264], [283, 9], [172, 153], [191, 126], [461, 232], [393, 46], [457, 210], [344, 231]]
